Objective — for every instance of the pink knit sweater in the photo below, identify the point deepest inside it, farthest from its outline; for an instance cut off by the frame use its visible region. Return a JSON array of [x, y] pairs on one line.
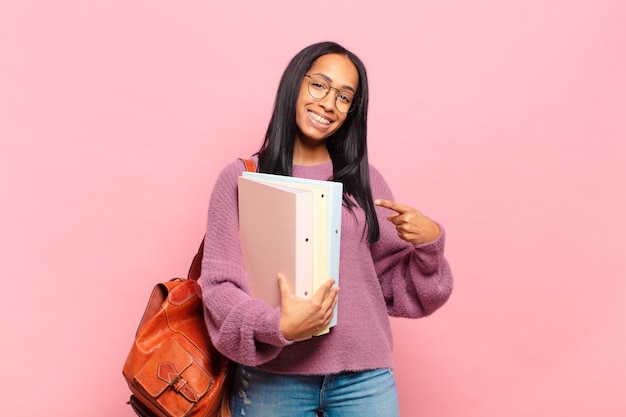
[[390, 277]]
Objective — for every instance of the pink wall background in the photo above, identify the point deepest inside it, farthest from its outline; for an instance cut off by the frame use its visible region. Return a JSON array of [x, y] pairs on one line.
[[504, 120]]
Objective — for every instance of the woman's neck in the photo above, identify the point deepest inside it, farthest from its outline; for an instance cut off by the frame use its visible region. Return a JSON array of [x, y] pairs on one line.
[[303, 155]]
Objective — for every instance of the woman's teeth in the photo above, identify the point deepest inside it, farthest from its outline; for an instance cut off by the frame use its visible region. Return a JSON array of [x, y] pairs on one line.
[[319, 118]]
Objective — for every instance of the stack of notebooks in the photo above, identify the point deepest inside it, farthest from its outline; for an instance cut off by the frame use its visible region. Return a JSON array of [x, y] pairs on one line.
[[292, 226]]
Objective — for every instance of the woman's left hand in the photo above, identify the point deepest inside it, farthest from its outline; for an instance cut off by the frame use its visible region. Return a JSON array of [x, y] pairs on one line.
[[411, 225]]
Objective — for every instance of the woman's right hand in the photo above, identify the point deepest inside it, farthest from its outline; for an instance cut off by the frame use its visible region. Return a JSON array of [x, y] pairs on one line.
[[300, 318]]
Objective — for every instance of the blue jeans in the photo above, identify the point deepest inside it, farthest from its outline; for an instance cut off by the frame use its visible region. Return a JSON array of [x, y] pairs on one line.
[[348, 394]]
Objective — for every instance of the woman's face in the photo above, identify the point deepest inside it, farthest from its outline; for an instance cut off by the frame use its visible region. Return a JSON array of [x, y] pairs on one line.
[[317, 119]]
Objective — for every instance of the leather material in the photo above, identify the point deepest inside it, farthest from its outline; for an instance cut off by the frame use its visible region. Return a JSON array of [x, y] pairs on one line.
[[250, 166], [173, 369]]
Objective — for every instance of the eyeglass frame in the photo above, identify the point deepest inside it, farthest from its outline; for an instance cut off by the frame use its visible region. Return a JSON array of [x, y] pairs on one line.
[[330, 87]]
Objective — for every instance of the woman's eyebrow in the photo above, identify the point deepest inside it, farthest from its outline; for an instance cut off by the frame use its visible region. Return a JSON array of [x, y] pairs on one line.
[[327, 78]]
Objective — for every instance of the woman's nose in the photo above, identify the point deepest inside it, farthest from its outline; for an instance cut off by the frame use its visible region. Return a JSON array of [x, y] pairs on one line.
[[328, 102]]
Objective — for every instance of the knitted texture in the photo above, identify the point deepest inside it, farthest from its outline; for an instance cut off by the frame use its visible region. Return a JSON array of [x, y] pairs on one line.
[[389, 277]]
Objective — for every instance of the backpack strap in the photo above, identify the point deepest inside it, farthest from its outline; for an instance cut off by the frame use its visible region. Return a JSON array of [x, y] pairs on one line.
[[196, 265], [249, 163]]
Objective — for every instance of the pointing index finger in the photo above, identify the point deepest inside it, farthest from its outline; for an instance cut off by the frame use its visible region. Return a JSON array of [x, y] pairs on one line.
[[392, 205]]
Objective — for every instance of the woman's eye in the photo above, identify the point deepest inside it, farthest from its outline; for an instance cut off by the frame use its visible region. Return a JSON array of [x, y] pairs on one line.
[[344, 98], [318, 85]]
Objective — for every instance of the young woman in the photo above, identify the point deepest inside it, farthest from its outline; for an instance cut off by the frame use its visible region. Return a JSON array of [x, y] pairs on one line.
[[391, 260]]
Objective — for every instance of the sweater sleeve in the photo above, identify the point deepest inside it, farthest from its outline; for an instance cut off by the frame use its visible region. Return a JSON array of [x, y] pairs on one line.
[[415, 279], [245, 329]]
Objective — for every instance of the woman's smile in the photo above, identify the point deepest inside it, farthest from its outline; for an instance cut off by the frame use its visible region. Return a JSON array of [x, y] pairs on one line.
[[318, 119]]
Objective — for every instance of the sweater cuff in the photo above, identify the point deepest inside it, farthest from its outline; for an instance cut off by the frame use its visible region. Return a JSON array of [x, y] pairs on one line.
[[430, 254], [268, 329]]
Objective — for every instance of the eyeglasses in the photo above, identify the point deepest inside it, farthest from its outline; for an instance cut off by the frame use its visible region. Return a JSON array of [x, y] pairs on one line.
[[319, 88]]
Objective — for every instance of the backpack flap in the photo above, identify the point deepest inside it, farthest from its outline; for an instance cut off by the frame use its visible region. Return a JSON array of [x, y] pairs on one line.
[[173, 379]]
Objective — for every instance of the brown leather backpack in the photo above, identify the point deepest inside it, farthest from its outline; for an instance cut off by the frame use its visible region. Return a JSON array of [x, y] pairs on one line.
[[173, 369]]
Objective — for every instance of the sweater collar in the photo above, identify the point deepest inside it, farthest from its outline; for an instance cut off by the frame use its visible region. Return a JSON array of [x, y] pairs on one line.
[[321, 171]]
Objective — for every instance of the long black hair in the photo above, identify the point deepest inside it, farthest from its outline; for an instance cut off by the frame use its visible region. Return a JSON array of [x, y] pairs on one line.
[[347, 146]]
